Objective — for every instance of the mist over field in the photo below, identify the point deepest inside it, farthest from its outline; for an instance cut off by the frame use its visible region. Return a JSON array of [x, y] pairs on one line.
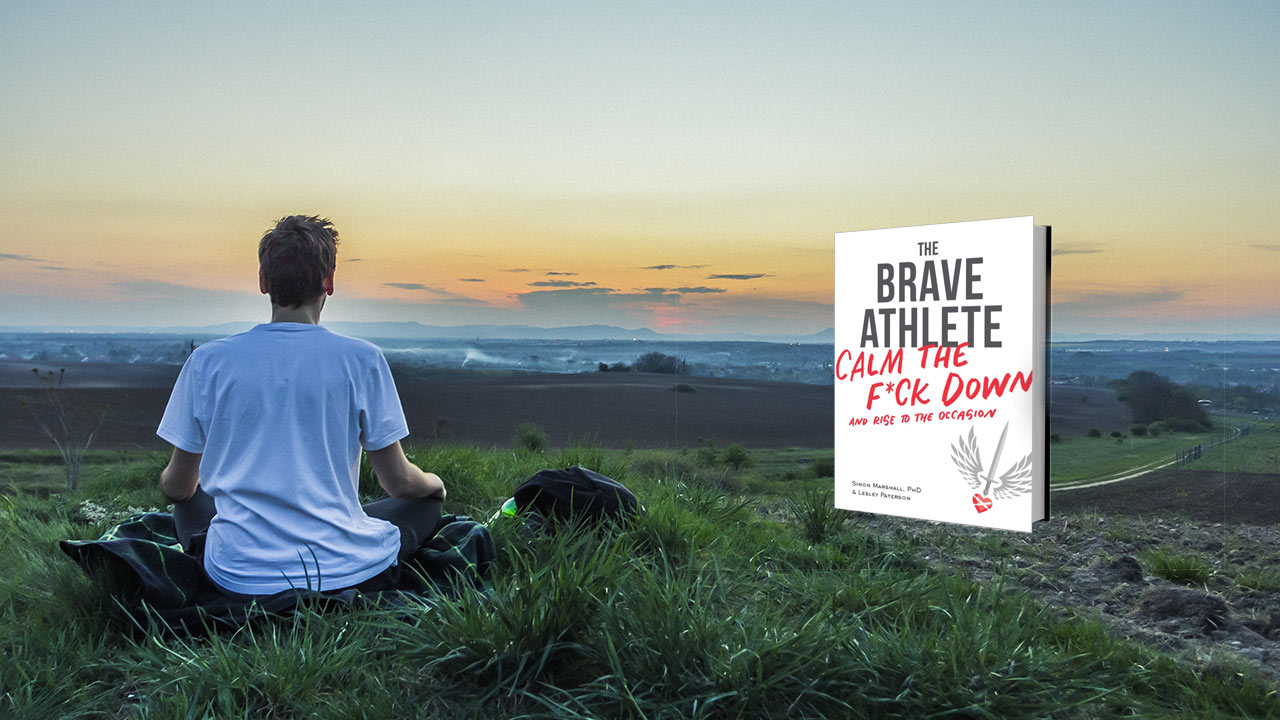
[[1202, 363], [800, 363]]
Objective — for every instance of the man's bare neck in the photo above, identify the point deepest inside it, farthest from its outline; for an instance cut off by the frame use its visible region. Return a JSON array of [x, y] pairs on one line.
[[308, 314]]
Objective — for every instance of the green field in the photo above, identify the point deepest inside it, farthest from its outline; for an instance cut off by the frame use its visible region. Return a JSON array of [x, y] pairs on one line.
[[1075, 458], [1258, 452], [43, 470], [739, 593]]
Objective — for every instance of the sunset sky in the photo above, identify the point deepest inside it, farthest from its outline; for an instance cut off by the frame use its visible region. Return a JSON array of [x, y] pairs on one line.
[[679, 167]]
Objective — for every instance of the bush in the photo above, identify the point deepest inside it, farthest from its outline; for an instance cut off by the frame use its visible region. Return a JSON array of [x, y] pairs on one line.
[[530, 437], [707, 454], [1055, 438], [1117, 434], [1187, 426], [735, 456], [1153, 429], [656, 362], [1094, 432], [1153, 397], [1138, 430], [824, 467]]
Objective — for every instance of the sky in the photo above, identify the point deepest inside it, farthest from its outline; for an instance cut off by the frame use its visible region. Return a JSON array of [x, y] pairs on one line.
[[682, 167]]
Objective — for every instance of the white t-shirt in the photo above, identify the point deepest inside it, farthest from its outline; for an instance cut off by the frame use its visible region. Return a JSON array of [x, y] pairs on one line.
[[279, 414]]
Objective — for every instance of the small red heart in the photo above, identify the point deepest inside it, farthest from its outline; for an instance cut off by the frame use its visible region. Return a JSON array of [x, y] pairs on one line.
[[980, 503]]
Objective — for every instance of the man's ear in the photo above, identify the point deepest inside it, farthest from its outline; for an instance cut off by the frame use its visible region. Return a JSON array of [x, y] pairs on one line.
[[262, 282], [328, 284]]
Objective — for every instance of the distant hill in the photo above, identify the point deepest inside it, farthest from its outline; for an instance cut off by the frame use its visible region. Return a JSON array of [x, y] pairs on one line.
[[1165, 337]]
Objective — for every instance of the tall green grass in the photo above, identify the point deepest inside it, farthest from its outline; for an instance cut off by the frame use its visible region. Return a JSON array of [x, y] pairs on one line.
[[715, 603]]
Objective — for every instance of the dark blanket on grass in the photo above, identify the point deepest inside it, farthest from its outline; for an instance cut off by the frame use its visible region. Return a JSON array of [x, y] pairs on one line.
[[143, 568]]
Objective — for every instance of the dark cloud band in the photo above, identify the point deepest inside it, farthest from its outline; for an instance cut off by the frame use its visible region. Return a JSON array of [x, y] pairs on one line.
[[741, 276]]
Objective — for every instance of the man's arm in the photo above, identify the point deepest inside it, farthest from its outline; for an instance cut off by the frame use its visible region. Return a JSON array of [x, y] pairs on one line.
[[401, 478], [179, 479]]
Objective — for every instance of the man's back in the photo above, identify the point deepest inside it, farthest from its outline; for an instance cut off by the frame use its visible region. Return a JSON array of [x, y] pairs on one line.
[[280, 414]]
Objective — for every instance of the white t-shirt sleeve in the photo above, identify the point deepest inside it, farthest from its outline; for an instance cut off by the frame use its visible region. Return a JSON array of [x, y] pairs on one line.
[[381, 415], [180, 426]]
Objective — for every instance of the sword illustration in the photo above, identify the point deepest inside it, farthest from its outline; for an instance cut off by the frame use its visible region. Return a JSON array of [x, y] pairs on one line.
[[995, 461]]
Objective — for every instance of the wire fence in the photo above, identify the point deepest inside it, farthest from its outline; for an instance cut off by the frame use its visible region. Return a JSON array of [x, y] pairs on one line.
[[1191, 454]]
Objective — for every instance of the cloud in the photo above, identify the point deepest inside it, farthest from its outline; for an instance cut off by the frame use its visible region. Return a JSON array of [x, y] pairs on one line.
[[672, 267], [743, 276], [553, 272], [701, 289], [19, 258], [57, 268], [470, 279], [561, 284], [157, 290], [438, 293], [1074, 251], [354, 259], [1273, 247], [516, 270]]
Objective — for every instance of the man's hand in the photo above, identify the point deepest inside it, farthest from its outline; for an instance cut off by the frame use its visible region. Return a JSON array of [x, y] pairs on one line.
[[181, 477], [401, 478]]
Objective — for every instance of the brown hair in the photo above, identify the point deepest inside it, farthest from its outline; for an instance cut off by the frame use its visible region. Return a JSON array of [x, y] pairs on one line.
[[295, 257]]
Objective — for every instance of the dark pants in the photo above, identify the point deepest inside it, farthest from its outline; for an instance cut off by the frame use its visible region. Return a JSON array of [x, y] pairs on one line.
[[417, 519]]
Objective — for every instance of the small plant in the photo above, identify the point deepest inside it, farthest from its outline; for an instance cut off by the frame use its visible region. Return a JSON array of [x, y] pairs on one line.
[[817, 513], [530, 437], [74, 423], [1266, 580], [1184, 569]]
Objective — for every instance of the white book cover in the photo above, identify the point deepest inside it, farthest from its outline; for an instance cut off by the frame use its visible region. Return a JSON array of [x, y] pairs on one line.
[[940, 346]]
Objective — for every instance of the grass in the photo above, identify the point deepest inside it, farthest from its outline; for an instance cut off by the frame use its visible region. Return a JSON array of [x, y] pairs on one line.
[[704, 607], [42, 470], [1077, 458], [1257, 452], [1189, 569]]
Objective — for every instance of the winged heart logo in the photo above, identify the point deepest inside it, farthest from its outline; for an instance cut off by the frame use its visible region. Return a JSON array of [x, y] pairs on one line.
[[1015, 481]]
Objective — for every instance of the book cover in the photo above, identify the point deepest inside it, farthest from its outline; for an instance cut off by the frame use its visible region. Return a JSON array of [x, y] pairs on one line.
[[940, 346]]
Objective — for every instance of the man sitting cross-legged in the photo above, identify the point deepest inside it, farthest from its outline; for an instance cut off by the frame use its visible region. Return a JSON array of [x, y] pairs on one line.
[[267, 428]]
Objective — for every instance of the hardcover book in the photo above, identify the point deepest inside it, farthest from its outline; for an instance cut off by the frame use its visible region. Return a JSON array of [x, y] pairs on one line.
[[940, 361]]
